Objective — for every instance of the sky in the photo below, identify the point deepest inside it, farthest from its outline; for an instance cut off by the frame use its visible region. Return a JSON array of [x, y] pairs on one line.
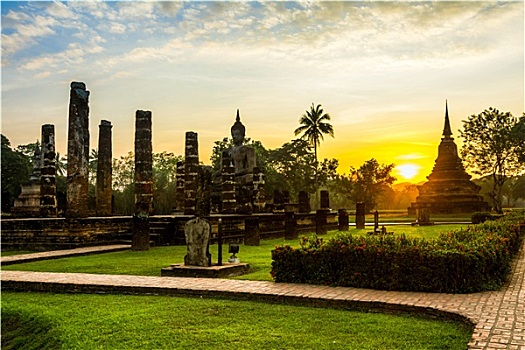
[[382, 70]]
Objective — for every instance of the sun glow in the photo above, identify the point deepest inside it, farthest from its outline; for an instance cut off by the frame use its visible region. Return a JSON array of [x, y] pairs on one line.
[[407, 171]]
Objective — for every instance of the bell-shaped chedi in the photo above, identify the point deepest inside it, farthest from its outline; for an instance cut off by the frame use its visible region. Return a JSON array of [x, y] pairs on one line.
[[449, 189]]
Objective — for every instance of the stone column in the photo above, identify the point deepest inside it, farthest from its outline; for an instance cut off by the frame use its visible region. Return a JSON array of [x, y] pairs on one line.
[[229, 203], [252, 235], [258, 190], [78, 151], [143, 181], [37, 164], [290, 225], [325, 200], [304, 202], [179, 196], [203, 197], [342, 220], [278, 201], [360, 215], [48, 191], [321, 223], [191, 172], [104, 169]]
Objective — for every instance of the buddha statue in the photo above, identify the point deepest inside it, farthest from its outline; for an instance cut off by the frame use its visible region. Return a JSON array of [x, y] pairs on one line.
[[242, 156]]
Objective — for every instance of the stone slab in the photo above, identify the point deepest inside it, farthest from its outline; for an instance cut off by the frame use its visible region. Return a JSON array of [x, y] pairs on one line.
[[215, 271]]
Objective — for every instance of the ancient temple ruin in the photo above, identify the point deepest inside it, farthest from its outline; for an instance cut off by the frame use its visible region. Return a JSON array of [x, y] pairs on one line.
[[239, 185], [28, 202], [449, 189], [78, 151]]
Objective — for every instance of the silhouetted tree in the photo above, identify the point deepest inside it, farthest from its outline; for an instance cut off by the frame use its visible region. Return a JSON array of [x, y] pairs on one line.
[[494, 145], [370, 181], [16, 168]]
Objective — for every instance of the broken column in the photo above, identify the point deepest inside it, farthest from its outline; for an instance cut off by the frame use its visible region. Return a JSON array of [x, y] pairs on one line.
[[191, 170], [48, 191], [258, 190], [143, 181], [325, 199], [104, 170], [179, 196], [78, 151], [229, 202], [342, 219], [360, 215], [304, 202]]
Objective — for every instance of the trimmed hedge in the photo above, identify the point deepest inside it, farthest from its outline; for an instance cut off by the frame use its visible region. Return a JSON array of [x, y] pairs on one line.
[[474, 259]]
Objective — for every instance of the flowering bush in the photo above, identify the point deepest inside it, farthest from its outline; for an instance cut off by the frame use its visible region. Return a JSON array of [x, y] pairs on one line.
[[463, 261]]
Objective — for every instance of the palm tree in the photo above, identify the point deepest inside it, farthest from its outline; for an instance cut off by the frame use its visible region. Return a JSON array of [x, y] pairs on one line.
[[60, 164], [313, 126]]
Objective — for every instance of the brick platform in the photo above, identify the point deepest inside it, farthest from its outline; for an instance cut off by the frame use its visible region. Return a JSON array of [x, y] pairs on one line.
[[498, 317]]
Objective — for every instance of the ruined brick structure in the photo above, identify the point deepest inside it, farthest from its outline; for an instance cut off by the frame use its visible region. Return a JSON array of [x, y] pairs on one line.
[[449, 189], [48, 190], [143, 181], [191, 169], [104, 169], [78, 151]]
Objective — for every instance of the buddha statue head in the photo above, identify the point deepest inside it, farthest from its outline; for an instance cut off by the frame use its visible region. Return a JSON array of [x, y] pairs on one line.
[[238, 131]]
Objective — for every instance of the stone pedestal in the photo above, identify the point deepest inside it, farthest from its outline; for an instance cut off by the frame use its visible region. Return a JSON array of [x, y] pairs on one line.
[[104, 170], [48, 191], [78, 151]]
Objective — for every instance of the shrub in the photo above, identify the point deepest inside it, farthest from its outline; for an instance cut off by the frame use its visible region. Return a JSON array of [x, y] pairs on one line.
[[480, 217], [470, 260]]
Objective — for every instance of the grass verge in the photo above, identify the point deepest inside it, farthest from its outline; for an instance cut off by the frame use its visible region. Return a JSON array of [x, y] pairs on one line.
[[160, 322]]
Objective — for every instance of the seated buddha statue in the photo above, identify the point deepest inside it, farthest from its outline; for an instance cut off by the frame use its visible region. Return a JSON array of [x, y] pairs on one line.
[[242, 156]]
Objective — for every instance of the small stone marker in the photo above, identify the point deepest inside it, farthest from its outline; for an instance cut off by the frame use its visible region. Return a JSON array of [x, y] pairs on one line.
[[197, 232]]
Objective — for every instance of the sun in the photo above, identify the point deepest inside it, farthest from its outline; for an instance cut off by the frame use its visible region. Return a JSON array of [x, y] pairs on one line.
[[408, 171]]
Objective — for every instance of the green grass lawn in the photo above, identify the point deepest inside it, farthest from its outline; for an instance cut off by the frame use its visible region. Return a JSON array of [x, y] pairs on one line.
[[54, 321], [149, 263]]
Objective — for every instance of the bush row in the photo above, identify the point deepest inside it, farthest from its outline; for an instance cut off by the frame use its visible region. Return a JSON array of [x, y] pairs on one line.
[[469, 260]]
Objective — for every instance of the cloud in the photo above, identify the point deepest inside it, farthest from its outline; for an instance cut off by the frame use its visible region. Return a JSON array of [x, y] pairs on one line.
[[60, 10]]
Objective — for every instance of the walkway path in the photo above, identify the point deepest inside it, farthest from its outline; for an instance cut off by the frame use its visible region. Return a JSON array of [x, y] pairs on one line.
[[499, 316]]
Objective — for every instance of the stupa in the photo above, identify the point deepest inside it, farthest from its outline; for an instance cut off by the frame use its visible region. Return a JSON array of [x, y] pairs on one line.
[[449, 188]]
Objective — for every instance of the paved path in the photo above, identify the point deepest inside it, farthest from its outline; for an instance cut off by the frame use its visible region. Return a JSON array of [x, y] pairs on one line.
[[499, 316]]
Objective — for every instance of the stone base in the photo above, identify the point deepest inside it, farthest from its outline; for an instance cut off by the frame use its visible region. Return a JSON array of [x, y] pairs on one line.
[[215, 271], [430, 223]]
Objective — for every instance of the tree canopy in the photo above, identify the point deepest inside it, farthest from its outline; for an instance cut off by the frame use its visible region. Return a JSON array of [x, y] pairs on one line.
[[494, 146]]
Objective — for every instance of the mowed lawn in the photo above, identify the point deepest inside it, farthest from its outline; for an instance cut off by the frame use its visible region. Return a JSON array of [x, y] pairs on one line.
[[77, 321], [149, 263], [65, 321]]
